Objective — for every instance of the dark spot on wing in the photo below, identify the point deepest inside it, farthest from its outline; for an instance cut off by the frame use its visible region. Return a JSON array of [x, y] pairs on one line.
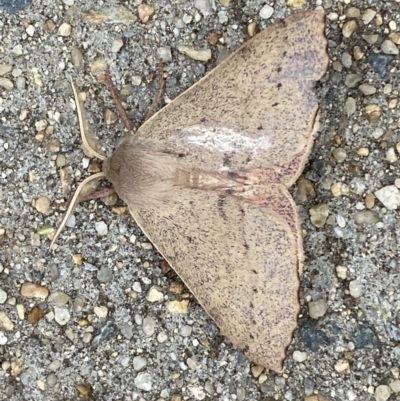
[[251, 305], [279, 86], [221, 206], [227, 160], [284, 53], [279, 69], [246, 348], [275, 104], [254, 271], [260, 127], [203, 120]]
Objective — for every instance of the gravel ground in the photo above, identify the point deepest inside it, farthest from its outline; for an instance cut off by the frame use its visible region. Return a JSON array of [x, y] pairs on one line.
[[97, 319]]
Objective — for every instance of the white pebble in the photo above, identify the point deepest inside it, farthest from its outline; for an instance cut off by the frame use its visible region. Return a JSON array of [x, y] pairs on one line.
[[3, 296], [299, 356], [61, 315], [382, 393], [355, 288], [30, 30], [389, 196], [101, 228], [266, 12]]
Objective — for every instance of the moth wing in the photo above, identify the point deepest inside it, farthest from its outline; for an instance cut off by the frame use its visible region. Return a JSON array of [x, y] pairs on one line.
[[257, 109], [239, 261]]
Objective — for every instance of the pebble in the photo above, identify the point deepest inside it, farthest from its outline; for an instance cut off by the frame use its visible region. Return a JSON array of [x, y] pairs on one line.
[[395, 386], [317, 308], [3, 296], [5, 322], [6, 83], [5, 68], [355, 288], [389, 196], [349, 28], [178, 306], [350, 106], [363, 152], [380, 62], [222, 17], [366, 217], [143, 381], [299, 356], [149, 326], [241, 394], [197, 392], [145, 12], [342, 365], [367, 89], [391, 155], [139, 363], [101, 228], [341, 272], [77, 58], [32, 290], [369, 201], [155, 294], [364, 337], [266, 12], [164, 54], [162, 337], [368, 16], [352, 80], [116, 45], [388, 47], [61, 315], [59, 298], [3, 338], [127, 331], [199, 55], [186, 331], [104, 275], [319, 214], [339, 154], [65, 29], [101, 311], [382, 393], [42, 204]]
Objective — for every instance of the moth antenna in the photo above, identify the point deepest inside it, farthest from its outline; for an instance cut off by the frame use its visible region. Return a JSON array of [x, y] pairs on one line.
[[72, 204], [81, 125]]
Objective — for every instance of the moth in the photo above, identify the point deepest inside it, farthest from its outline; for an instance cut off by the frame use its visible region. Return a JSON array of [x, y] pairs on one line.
[[207, 177]]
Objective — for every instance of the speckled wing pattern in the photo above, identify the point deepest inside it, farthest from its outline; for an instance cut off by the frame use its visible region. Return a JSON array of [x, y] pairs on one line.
[[211, 192]]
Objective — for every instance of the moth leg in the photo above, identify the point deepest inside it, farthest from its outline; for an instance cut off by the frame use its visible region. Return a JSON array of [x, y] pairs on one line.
[[105, 78], [157, 99], [101, 193]]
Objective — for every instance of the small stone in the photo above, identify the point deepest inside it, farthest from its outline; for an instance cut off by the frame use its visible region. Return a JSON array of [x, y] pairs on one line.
[[391, 155], [352, 80], [204, 6], [61, 160], [42, 204], [3, 296], [350, 106], [6, 83], [368, 16], [143, 381], [266, 12], [200, 55], [145, 12], [358, 53], [353, 12], [251, 28], [162, 337], [116, 45], [355, 288], [197, 392], [364, 337], [110, 117], [363, 152], [3, 341], [101, 228], [382, 393], [395, 386], [366, 217], [155, 294], [319, 214], [178, 306], [317, 308], [394, 37], [5, 322], [59, 298], [101, 311], [380, 62], [65, 29], [77, 258], [341, 272], [370, 201], [388, 47], [32, 290], [389, 196], [339, 154], [299, 356], [222, 17], [349, 28], [98, 66], [296, 3], [77, 58], [164, 54], [139, 363], [61, 315], [367, 89], [34, 315], [137, 287], [5, 68], [53, 146], [342, 365], [346, 60], [149, 326], [104, 275], [186, 331], [256, 370]]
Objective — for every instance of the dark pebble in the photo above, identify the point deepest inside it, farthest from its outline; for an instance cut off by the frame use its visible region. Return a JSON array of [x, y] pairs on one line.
[[380, 62], [393, 331], [364, 337], [12, 6], [312, 336]]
